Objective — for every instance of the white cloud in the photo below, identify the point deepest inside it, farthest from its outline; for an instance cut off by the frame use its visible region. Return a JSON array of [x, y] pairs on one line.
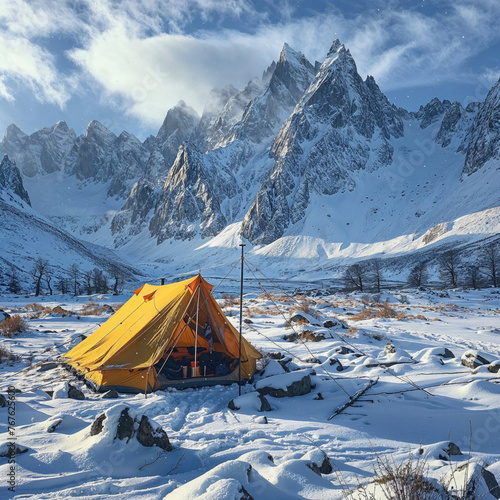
[[142, 58]]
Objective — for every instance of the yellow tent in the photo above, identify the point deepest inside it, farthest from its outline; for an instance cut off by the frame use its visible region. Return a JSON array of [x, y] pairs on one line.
[[179, 325]]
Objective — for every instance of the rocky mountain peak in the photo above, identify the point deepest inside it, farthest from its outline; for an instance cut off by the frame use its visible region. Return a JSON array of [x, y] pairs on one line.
[[432, 111], [484, 144], [11, 182], [337, 46]]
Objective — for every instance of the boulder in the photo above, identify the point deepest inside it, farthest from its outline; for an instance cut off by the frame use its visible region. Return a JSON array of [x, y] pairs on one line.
[[264, 404], [97, 425], [8, 449], [330, 323], [285, 386], [474, 359], [3, 401], [125, 427], [251, 402], [112, 394], [275, 355], [149, 436], [298, 317], [451, 450], [493, 367], [312, 336], [75, 393]]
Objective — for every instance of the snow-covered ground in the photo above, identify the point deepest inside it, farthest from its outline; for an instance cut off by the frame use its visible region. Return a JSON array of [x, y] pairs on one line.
[[421, 400]]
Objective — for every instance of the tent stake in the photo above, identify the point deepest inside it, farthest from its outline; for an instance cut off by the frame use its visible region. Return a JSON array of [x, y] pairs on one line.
[[242, 245]]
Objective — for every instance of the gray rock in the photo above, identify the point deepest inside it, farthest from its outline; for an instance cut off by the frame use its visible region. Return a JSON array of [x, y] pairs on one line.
[[11, 180], [297, 388], [149, 436], [54, 425], [17, 449], [344, 350], [447, 354], [389, 349], [331, 323], [494, 367], [491, 483], [324, 468], [125, 427], [75, 393], [47, 366], [451, 450], [472, 359], [3, 401], [97, 425], [264, 403], [112, 394], [297, 317], [337, 364]]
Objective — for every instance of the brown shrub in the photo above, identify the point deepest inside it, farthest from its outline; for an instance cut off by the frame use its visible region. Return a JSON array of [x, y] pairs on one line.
[[92, 309], [401, 316], [231, 300], [384, 310], [364, 314], [34, 307], [6, 355], [352, 331], [421, 316], [13, 326]]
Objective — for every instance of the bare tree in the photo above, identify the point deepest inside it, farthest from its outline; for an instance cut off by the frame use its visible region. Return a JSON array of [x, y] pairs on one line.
[[87, 277], [419, 275], [473, 277], [449, 266], [490, 263], [62, 285], [48, 278], [376, 274], [119, 279], [38, 272], [355, 276], [13, 284], [74, 273]]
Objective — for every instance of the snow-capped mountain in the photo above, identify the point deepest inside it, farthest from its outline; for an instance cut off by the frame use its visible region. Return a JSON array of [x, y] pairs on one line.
[[26, 236], [310, 163]]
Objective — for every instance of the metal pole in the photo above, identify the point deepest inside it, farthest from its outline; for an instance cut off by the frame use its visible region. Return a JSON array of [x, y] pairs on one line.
[[242, 245], [196, 333]]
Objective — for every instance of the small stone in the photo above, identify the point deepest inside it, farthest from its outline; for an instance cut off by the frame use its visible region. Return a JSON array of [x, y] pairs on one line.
[[275, 355], [264, 404], [47, 366], [148, 436], [248, 321], [343, 350], [312, 336], [338, 365], [389, 349], [298, 317], [232, 406], [75, 393], [452, 450], [291, 337], [330, 323], [54, 425], [97, 425], [319, 397], [324, 468], [112, 394]]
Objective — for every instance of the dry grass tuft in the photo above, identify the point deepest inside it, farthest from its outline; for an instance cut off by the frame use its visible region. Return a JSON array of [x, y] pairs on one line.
[[93, 309], [6, 355], [13, 326]]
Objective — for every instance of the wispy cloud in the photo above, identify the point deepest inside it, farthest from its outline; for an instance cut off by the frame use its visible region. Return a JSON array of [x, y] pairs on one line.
[[145, 55]]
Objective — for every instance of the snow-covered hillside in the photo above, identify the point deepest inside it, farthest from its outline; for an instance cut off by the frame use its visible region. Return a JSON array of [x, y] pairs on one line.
[[310, 166], [434, 359]]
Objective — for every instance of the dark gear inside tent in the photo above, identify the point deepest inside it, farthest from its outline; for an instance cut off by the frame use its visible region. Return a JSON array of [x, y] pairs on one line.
[[165, 336]]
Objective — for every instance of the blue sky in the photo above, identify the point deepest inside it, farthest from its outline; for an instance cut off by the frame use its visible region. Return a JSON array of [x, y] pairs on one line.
[[126, 62]]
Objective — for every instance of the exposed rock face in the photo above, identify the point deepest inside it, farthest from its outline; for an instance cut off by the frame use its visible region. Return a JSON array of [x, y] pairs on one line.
[[11, 181], [125, 427], [473, 359], [484, 144], [432, 112], [189, 199], [177, 128], [97, 425], [75, 393]]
